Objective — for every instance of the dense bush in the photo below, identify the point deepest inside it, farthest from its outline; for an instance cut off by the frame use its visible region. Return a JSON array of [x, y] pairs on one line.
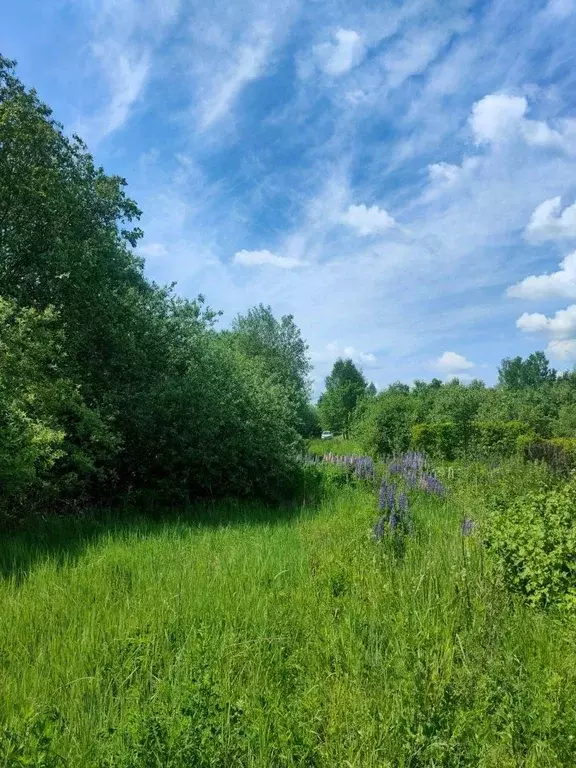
[[533, 539], [383, 426], [111, 385], [447, 440], [559, 453]]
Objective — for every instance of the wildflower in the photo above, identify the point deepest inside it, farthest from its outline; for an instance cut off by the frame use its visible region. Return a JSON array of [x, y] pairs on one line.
[[379, 529], [432, 485], [403, 503], [393, 521], [467, 527]]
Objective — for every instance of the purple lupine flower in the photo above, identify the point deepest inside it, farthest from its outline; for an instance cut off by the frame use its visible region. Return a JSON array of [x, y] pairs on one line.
[[382, 495], [390, 496], [379, 529], [467, 527], [402, 504], [393, 521], [432, 485]]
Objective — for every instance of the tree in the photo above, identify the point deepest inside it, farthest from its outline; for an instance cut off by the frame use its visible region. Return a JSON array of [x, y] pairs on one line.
[[278, 344], [345, 388], [516, 373]]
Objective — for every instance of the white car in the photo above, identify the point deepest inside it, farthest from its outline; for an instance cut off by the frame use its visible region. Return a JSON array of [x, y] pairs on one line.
[[326, 435]]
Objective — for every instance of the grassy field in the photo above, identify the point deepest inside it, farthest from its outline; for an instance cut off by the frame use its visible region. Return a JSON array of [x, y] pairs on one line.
[[243, 636]]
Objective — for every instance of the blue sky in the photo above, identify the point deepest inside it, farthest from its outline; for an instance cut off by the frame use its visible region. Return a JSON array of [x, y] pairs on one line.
[[400, 176]]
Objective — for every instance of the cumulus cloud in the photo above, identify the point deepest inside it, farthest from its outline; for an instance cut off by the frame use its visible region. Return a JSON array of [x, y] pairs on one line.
[[499, 117], [368, 221], [335, 351], [260, 258], [561, 326], [550, 222], [451, 363], [447, 174], [558, 284], [342, 55]]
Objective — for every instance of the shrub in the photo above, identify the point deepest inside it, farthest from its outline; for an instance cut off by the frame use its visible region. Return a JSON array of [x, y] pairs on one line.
[[558, 453], [533, 539], [438, 440], [384, 426], [447, 440]]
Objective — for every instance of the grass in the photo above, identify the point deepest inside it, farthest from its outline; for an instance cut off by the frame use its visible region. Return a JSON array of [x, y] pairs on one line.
[[339, 446], [257, 638]]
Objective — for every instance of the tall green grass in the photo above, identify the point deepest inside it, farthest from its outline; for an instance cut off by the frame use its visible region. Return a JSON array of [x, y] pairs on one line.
[[339, 446], [254, 637]]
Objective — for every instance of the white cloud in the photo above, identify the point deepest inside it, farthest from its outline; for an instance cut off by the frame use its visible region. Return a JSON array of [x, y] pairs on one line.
[[451, 363], [562, 349], [249, 64], [561, 326], [550, 222], [260, 258], [499, 117], [368, 221], [341, 56], [335, 351], [152, 250], [447, 174], [558, 284], [413, 53], [125, 36]]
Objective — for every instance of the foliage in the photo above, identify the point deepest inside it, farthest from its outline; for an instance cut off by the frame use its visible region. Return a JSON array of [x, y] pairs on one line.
[[345, 388], [559, 454], [447, 440], [534, 540], [516, 373], [115, 386], [383, 427], [234, 634]]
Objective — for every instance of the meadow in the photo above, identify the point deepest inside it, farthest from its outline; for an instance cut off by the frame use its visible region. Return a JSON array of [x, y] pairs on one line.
[[237, 634]]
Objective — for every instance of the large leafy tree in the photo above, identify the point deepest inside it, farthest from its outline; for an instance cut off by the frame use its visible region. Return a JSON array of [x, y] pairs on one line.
[[517, 373], [345, 388], [279, 347]]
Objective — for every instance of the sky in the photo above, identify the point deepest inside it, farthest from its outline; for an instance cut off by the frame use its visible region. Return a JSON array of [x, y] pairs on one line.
[[399, 176]]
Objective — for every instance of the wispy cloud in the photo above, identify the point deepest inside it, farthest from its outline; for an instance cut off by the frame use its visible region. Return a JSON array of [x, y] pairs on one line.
[[249, 62], [340, 56], [125, 35], [261, 258]]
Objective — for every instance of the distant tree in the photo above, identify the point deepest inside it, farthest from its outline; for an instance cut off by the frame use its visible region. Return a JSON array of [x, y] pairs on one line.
[[345, 388], [399, 388], [534, 371], [371, 390]]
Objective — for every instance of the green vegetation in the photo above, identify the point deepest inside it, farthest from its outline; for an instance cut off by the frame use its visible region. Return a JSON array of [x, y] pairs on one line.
[[237, 635], [112, 388], [184, 583]]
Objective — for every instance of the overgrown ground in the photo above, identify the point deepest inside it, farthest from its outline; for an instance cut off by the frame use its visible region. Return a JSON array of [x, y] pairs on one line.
[[267, 638]]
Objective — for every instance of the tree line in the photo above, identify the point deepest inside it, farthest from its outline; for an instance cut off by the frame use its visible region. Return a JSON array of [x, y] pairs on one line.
[[530, 397], [112, 386]]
